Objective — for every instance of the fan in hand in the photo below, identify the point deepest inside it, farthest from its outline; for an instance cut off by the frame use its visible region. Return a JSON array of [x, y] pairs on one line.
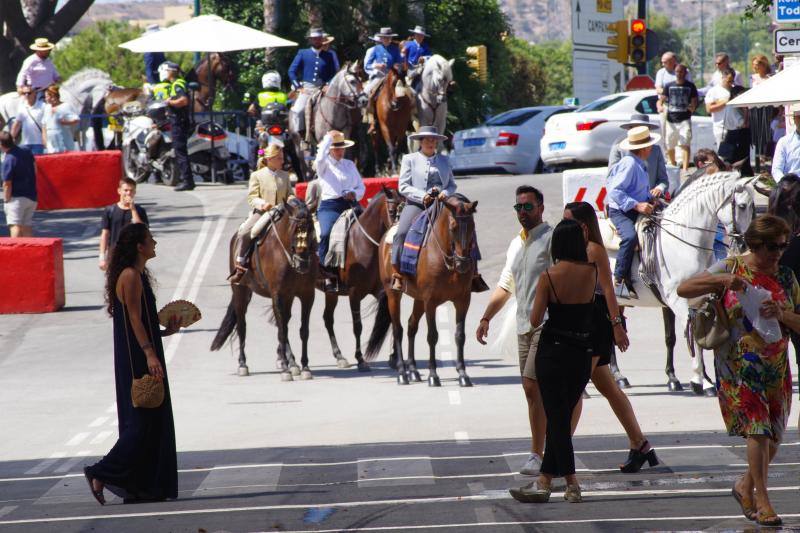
[[186, 311]]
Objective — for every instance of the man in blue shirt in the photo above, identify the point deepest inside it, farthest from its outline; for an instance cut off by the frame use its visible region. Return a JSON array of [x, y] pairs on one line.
[[787, 151], [311, 69], [152, 60], [629, 195], [19, 187], [415, 50], [377, 62]]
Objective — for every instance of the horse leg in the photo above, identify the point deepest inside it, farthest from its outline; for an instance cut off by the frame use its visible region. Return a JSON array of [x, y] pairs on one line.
[[306, 302], [278, 311], [433, 339], [413, 327], [462, 306], [673, 383], [241, 299], [397, 336], [355, 313], [327, 316]]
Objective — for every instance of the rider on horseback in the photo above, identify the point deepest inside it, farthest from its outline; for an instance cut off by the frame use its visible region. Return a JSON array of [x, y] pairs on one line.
[[269, 187], [377, 62], [311, 69], [415, 50], [629, 195]]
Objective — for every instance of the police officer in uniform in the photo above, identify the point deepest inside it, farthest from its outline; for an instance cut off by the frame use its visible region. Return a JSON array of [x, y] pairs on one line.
[[311, 69], [160, 90], [178, 102]]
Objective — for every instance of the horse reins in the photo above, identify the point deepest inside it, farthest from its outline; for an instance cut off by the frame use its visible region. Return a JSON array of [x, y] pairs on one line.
[[454, 257], [364, 230], [349, 102]]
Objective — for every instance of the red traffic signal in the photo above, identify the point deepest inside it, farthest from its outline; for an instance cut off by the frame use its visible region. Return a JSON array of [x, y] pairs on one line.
[[638, 26], [637, 50]]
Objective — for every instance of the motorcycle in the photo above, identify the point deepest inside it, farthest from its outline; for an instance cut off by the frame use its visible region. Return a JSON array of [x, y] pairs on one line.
[[275, 124], [146, 141], [201, 156]]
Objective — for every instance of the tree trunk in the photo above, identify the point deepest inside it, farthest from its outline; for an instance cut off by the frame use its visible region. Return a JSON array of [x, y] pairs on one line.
[[24, 21], [271, 25]]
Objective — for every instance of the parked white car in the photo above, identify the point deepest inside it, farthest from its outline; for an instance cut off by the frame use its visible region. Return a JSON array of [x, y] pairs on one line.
[[508, 142], [586, 136]]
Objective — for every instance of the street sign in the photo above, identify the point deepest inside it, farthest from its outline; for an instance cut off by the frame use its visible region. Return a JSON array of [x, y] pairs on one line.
[[590, 19], [787, 41], [594, 75], [786, 11], [640, 82]]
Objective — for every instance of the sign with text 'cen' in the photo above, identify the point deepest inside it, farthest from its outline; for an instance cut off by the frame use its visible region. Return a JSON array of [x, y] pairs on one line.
[[786, 11], [787, 41]]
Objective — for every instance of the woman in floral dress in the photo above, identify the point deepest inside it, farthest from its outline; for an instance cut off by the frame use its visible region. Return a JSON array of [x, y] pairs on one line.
[[753, 376]]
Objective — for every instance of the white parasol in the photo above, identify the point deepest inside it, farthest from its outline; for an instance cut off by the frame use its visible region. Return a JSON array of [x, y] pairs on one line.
[[780, 89], [206, 33]]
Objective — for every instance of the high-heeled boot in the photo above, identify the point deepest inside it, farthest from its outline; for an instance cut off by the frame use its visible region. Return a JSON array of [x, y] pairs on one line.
[[637, 458]]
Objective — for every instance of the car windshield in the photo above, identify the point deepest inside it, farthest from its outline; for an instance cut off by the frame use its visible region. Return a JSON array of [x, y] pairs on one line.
[[515, 117], [601, 104]]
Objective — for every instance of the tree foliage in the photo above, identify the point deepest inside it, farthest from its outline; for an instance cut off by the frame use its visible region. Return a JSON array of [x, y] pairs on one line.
[[98, 46]]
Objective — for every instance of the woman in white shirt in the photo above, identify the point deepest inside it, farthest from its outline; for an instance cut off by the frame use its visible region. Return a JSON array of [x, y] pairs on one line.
[[341, 186], [58, 123]]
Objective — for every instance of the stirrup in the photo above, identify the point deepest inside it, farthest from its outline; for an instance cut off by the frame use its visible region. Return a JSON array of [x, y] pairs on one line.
[[237, 274], [397, 282]]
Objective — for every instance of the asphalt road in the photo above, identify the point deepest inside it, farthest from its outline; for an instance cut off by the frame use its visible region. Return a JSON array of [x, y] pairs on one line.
[[251, 448]]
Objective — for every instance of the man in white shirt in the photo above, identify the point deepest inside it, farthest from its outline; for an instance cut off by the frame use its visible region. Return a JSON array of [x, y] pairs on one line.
[[722, 62], [787, 151], [716, 98], [528, 256], [29, 122]]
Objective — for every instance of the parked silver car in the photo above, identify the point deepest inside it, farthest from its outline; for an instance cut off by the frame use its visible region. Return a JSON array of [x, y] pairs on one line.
[[506, 143]]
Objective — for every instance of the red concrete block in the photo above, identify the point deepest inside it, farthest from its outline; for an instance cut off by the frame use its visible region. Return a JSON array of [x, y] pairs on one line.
[[78, 180], [372, 186], [34, 271]]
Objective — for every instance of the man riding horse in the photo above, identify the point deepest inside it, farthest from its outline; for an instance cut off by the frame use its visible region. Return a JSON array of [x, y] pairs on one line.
[[311, 69], [378, 60], [415, 51]]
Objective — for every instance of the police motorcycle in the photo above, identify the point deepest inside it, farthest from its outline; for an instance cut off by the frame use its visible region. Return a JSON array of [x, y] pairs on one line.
[[146, 141]]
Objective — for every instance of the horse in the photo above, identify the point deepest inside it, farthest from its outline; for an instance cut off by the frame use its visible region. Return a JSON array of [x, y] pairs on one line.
[[444, 274], [393, 108], [337, 107], [684, 239], [285, 267], [359, 276], [437, 83]]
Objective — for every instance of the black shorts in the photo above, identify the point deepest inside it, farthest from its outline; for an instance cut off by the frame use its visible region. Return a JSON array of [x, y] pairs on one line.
[[603, 336]]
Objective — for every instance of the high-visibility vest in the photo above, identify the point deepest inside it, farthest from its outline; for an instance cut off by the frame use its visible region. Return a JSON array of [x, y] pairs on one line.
[[179, 82], [161, 90], [268, 97]]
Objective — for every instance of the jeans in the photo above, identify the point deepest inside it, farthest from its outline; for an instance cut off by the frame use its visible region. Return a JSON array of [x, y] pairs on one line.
[[625, 221], [327, 214], [36, 149], [720, 250]]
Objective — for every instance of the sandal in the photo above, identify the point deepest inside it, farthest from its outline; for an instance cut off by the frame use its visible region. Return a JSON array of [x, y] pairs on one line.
[[748, 510], [768, 518], [98, 494]]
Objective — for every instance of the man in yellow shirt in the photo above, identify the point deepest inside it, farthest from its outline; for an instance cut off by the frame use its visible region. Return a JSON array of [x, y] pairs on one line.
[[269, 187]]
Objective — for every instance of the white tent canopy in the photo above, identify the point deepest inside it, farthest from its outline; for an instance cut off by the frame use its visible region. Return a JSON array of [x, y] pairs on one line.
[[206, 33], [781, 89]]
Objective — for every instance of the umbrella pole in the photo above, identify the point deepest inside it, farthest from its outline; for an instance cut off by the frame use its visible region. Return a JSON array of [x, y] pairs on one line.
[[211, 96]]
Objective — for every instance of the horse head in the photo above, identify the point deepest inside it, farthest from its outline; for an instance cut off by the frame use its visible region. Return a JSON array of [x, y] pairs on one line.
[[348, 86], [437, 79], [301, 234], [737, 211], [461, 230], [784, 201], [393, 200]]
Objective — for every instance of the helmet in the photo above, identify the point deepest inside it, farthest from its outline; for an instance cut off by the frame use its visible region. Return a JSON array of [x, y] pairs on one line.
[[166, 67], [271, 80]]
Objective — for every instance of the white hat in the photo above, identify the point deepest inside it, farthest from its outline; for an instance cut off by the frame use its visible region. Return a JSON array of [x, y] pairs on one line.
[[427, 131], [41, 44], [271, 79], [639, 137], [315, 32], [338, 140], [419, 30], [386, 31]]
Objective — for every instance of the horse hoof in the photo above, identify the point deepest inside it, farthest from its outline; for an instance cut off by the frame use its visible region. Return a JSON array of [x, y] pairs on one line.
[[402, 379], [295, 370], [413, 375], [675, 386], [244, 371], [434, 381], [710, 392], [363, 366], [464, 381], [286, 376], [342, 363], [306, 374], [697, 389], [280, 364]]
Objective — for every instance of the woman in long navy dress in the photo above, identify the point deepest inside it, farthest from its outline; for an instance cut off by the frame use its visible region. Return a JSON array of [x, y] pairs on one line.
[[142, 465]]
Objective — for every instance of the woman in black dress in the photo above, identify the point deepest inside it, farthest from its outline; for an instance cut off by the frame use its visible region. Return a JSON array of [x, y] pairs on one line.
[[564, 357], [142, 465]]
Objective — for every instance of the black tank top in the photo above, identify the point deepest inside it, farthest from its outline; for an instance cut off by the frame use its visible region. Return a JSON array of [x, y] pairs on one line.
[[569, 323]]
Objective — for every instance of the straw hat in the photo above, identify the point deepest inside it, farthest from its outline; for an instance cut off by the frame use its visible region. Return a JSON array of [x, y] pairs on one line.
[[639, 137], [272, 150], [419, 30], [339, 141], [427, 131], [327, 38], [42, 44], [639, 119]]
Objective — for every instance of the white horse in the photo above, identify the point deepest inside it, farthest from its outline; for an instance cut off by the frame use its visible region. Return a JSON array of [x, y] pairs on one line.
[[437, 79], [684, 246]]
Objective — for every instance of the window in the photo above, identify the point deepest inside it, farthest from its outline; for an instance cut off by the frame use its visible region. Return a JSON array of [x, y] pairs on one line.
[[515, 117], [648, 105], [602, 103]]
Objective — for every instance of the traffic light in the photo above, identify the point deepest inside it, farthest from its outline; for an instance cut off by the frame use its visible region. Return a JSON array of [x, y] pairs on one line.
[[619, 39], [478, 62], [637, 51]]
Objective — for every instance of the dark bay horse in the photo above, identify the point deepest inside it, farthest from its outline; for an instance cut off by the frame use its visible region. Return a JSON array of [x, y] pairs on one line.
[[360, 275], [393, 109], [284, 268], [444, 274]]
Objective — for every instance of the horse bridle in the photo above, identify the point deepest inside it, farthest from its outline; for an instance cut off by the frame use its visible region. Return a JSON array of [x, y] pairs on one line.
[[452, 261], [389, 222], [438, 92], [350, 102], [299, 240]]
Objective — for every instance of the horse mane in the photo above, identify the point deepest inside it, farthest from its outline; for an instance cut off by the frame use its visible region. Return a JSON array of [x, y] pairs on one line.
[[701, 188], [85, 76], [437, 66]]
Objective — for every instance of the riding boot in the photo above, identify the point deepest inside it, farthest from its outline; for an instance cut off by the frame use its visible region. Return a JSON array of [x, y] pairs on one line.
[[241, 259], [330, 282], [478, 284], [397, 279], [238, 273]]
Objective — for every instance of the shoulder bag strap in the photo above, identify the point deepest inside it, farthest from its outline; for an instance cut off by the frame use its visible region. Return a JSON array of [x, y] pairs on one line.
[[28, 110]]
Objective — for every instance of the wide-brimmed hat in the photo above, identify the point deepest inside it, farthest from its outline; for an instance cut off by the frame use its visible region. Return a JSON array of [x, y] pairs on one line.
[[327, 38], [316, 32], [427, 131], [338, 140], [419, 30], [41, 44], [639, 137], [639, 119], [272, 150], [386, 31]]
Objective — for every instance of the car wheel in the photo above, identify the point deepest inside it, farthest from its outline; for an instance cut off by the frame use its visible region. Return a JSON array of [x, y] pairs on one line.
[[238, 171]]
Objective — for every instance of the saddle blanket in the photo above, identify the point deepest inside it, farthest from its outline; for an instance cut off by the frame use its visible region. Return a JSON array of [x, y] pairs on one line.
[[415, 239], [337, 243]]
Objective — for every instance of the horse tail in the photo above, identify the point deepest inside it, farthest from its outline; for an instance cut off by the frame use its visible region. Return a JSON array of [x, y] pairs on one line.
[[226, 328], [97, 123], [380, 329]]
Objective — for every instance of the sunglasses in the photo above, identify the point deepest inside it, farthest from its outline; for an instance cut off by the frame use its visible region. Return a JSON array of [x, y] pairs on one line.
[[26, 93], [527, 206], [775, 246]]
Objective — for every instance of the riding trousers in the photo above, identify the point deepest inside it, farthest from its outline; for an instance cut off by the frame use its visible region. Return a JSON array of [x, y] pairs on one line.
[[327, 214], [407, 216], [625, 221], [298, 111]]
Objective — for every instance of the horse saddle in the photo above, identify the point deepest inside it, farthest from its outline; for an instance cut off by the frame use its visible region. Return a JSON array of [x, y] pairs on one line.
[[260, 228], [611, 237], [337, 242]]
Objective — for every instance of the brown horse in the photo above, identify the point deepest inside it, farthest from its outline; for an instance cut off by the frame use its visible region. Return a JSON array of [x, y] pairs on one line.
[[444, 274], [394, 107], [284, 267], [360, 275]]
